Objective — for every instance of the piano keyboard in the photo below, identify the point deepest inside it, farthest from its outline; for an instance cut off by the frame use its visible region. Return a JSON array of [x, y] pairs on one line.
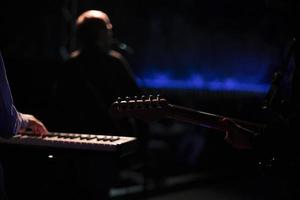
[[72, 141]]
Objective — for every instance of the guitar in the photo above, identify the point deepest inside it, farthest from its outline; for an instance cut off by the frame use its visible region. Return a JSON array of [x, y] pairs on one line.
[[153, 108]]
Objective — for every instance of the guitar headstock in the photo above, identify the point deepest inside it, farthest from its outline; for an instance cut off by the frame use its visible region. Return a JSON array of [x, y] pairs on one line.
[[146, 107]]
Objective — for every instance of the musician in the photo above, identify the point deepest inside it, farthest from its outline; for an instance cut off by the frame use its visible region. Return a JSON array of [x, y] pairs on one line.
[[92, 78], [12, 121], [283, 106], [279, 138]]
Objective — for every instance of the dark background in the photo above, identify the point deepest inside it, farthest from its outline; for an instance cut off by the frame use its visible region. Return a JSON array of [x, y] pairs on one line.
[[212, 46], [213, 55]]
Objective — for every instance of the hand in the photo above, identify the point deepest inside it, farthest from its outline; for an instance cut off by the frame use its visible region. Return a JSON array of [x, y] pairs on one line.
[[236, 135], [34, 124]]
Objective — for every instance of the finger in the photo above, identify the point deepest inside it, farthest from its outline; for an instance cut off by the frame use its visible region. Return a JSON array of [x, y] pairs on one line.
[[37, 130], [228, 138], [22, 131], [43, 130], [226, 135]]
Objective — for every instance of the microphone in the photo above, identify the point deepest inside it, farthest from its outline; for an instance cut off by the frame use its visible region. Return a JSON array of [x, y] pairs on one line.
[[121, 46]]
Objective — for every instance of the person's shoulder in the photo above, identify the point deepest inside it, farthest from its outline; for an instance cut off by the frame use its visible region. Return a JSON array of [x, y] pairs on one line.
[[116, 55], [74, 54], [72, 58], [70, 64]]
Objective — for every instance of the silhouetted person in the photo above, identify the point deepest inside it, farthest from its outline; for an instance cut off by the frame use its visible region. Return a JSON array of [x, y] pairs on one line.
[[279, 140], [12, 121], [89, 82], [92, 78]]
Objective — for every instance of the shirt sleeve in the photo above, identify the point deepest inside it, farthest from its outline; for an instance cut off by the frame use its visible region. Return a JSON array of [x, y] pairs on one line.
[[11, 121]]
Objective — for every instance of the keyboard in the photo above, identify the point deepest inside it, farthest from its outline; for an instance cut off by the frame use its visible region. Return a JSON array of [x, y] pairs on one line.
[[73, 141]]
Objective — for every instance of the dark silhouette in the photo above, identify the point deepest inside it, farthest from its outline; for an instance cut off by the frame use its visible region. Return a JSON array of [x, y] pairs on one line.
[[278, 142], [92, 78], [89, 81], [11, 121]]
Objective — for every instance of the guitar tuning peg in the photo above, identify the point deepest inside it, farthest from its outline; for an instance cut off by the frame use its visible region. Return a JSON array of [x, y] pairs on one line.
[[150, 97], [143, 97], [158, 97], [119, 99], [127, 98], [135, 98]]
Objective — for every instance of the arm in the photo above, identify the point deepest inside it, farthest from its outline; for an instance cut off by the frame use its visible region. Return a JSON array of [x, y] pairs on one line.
[[11, 121], [8, 113], [238, 136]]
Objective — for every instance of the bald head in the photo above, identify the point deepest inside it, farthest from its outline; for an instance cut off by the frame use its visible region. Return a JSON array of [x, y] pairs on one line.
[[94, 28], [94, 15]]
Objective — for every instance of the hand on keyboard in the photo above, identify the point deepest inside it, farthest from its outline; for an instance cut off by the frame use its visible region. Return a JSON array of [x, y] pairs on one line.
[[35, 125]]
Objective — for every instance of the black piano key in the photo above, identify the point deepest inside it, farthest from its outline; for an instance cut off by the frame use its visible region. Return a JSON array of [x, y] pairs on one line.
[[56, 134], [99, 138], [114, 138], [84, 137], [106, 138], [73, 136], [50, 135], [91, 137], [61, 136]]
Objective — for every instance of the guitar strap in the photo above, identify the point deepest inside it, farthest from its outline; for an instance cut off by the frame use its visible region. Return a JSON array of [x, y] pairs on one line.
[[274, 99]]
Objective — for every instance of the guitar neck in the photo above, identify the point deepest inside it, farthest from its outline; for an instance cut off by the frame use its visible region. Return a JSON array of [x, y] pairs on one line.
[[155, 108], [208, 120]]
